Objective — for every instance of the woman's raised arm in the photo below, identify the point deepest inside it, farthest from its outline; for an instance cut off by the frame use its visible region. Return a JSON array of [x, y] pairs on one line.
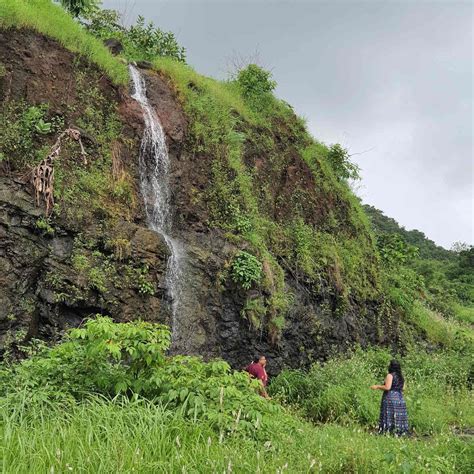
[[387, 384]]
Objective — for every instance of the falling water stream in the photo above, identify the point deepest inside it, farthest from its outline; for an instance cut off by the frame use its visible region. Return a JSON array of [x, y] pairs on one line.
[[154, 165]]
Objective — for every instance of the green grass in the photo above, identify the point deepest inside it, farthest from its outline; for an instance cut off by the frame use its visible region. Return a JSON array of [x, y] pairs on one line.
[[101, 436], [201, 417], [464, 313], [445, 332], [53, 21], [437, 390]]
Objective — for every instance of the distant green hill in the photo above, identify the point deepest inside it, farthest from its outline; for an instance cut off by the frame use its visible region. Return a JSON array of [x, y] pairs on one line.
[[427, 248], [448, 276]]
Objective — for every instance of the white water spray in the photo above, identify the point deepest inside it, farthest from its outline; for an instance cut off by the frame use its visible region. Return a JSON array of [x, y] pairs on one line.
[[154, 167]]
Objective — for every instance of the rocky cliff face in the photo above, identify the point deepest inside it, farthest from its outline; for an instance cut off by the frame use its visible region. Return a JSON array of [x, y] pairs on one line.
[[96, 255], [42, 291]]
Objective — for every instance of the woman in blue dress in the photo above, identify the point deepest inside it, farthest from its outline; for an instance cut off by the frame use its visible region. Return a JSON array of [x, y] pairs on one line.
[[393, 410]]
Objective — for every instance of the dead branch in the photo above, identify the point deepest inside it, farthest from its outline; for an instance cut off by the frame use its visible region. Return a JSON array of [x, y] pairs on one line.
[[43, 173], [117, 165]]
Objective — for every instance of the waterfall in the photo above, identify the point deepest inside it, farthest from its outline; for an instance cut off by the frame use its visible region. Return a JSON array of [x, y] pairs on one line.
[[154, 167]]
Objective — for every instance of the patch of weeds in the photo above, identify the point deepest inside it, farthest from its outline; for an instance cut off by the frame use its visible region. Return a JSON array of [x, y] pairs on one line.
[[254, 311], [145, 286], [64, 291], [43, 224], [120, 247], [24, 130]]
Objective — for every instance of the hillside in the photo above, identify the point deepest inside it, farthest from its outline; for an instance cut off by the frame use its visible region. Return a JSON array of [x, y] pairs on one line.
[[448, 275], [280, 256], [160, 228]]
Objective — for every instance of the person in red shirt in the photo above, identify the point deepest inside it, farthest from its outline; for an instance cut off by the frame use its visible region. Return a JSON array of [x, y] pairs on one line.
[[257, 370]]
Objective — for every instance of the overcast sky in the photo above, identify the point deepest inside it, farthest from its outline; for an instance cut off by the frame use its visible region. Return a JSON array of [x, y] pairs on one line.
[[389, 80]]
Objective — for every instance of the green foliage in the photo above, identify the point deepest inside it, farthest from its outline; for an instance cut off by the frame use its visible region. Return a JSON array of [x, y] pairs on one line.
[[394, 251], [403, 288], [386, 225], [43, 225], [22, 127], [145, 286], [438, 392], [140, 41], [52, 20], [256, 85], [443, 279], [88, 192], [464, 313], [94, 270], [438, 330], [107, 358], [304, 240], [136, 435], [254, 311], [343, 266], [34, 118], [80, 7], [246, 269], [224, 125], [343, 167]]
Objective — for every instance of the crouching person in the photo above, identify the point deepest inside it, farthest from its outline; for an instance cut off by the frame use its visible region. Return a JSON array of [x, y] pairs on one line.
[[257, 370]]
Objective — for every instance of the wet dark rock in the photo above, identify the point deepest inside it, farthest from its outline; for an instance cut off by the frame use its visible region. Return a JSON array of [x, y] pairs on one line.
[[114, 45], [144, 64]]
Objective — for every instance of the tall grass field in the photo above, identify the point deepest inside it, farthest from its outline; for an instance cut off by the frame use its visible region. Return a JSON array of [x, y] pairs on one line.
[[108, 399]]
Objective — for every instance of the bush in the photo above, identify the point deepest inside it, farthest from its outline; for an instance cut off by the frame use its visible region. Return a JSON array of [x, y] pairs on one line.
[[110, 359], [140, 41], [340, 161], [256, 86], [80, 7], [246, 270], [394, 251]]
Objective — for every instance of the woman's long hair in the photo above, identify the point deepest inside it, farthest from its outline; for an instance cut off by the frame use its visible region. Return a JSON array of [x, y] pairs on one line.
[[395, 368]]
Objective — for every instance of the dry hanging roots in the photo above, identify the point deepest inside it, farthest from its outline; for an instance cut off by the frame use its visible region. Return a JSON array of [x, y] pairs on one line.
[[43, 174]]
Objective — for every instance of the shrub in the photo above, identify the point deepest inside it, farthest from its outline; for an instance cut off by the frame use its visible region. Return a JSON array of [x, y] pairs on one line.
[[256, 85], [140, 41], [394, 251], [246, 270], [339, 159], [79, 7], [108, 358]]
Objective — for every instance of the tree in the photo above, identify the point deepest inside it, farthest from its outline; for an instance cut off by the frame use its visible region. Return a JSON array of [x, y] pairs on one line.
[[80, 7], [459, 247], [340, 161]]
